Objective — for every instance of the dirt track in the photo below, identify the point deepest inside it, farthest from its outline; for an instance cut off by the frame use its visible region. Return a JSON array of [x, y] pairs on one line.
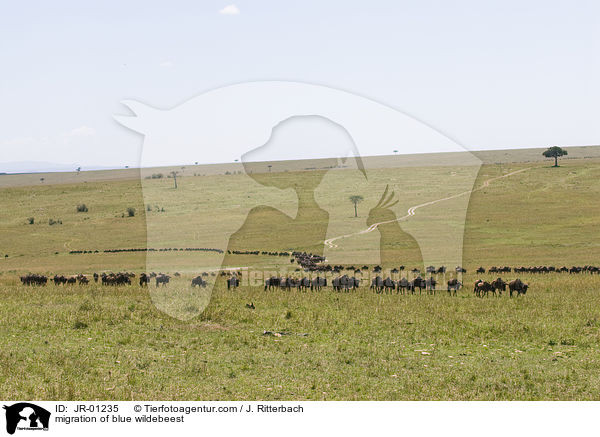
[[412, 209]]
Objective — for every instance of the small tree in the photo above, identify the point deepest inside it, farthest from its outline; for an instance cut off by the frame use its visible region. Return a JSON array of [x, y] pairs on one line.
[[131, 212], [356, 199], [42, 180], [555, 152]]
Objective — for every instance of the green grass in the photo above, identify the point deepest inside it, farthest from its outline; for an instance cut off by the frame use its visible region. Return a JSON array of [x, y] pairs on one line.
[[104, 343], [98, 342]]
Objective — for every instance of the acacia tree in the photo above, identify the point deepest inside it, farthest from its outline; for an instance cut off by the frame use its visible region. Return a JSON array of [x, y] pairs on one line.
[[555, 152], [356, 199]]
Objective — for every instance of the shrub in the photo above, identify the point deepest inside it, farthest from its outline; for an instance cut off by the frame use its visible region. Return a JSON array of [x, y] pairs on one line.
[[54, 222], [31, 220], [79, 325], [82, 208], [131, 212]]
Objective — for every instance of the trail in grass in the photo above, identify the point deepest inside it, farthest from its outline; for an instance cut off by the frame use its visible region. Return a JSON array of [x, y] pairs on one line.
[[411, 211]]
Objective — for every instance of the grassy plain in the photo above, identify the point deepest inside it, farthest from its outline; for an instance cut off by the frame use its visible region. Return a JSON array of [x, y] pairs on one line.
[[112, 343]]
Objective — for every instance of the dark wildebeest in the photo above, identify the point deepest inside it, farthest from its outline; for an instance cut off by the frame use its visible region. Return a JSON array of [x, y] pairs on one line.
[[482, 288], [162, 279], [272, 282], [480, 270], [344, 283], [518, 286], [304, 284], [498, 285], [233, 282], [453, 285], [430, 284], [377, 284], [419, 283], [389, 284], [34, 279], [96, 276], [198, 281], [58, 280], [403, 285], [144, 279], [317, 283]]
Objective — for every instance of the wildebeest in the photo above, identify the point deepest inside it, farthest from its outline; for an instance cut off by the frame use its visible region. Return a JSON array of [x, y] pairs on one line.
[[272, 282], [345, 283], [116, 279], [517, 285], [317, 283], [389, 284], [59, 279], [403, 285], [481, 288], [198, 281], [34, 279], [498, 285], [377, 284], [144, 279], [304, 284], [453, 285], [480, 270], [430, 284], [162, 279], [419, 283], [233, 282]]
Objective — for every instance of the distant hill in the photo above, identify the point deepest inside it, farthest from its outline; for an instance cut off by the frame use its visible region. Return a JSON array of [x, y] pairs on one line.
[[65, 174]]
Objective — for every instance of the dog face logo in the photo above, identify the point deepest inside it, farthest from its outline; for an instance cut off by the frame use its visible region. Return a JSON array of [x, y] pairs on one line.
[[266, 129], [26, 416]]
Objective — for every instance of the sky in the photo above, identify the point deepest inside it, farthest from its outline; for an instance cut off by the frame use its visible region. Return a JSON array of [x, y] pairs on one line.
[[494, 74]]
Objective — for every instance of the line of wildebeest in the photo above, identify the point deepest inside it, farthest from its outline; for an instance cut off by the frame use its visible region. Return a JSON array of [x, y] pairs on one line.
[[341, 283], [312, 263]]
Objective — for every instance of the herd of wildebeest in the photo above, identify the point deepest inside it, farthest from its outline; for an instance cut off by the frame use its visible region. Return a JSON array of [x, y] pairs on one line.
[[347, 278]]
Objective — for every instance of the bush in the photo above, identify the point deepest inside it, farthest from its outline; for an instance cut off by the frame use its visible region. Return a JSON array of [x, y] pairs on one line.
[[82, 208], [54, 222], [131, 212], [31, 220]]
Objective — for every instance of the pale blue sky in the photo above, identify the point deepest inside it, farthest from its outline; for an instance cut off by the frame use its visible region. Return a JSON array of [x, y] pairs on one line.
[[493, 74]]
